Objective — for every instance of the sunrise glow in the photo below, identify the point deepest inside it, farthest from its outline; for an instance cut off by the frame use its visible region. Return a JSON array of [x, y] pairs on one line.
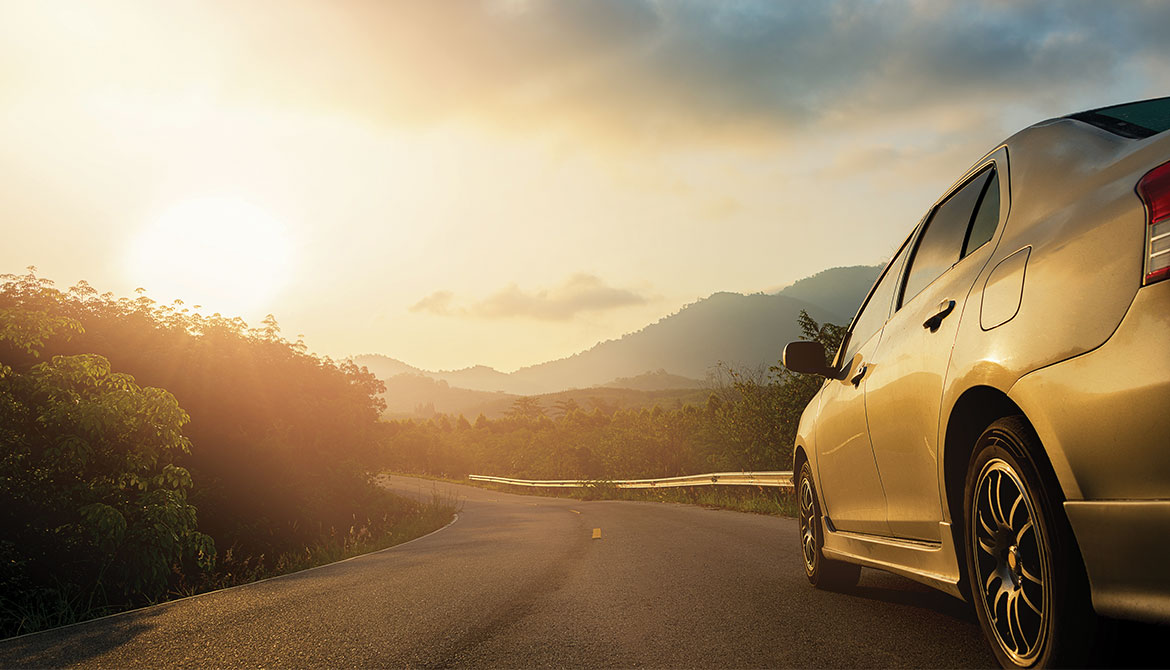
[[226, 255]]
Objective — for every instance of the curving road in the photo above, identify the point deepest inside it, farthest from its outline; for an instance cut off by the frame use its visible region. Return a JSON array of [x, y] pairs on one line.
[[520, 581]]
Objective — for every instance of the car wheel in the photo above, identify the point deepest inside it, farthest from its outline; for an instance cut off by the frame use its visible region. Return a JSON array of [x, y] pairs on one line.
[[822, 572], [1023, 566]]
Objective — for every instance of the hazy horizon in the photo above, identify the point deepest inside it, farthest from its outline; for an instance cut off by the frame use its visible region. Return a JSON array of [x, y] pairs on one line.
[[507, 183]]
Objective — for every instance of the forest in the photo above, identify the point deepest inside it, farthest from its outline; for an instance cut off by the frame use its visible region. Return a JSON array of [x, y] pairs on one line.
[[149, 451]]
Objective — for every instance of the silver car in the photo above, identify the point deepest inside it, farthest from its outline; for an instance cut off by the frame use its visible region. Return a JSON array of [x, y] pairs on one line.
[[996, 422]]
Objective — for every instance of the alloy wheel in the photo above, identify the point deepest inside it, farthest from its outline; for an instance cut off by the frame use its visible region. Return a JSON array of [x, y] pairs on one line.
[[1011, 561], [808, 538]]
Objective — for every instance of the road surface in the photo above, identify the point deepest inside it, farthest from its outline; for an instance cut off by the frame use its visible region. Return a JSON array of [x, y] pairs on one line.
[[521, 581]]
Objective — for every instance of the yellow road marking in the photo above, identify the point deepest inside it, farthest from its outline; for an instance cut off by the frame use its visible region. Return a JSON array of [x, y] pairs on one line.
[[597, 533], [574, 511]]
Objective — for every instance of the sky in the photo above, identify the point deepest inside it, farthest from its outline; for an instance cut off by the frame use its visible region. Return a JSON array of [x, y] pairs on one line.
[[512, 181]]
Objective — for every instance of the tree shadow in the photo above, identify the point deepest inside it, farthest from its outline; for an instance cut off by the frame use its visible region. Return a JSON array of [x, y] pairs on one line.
[[77, 643]]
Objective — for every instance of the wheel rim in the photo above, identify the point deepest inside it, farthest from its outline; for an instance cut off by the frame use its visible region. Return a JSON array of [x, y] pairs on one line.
[[808, 540], [1011, 562]]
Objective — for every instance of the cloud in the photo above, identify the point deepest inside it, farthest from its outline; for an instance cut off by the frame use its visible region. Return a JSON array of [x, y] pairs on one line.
[[626, 68], [438, 302], [580, 293]]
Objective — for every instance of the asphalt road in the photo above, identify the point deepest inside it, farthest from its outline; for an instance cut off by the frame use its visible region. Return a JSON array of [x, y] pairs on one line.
[[520, 581]]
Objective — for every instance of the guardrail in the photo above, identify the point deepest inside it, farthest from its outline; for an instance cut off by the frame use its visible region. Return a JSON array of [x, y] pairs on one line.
[[781, 479]]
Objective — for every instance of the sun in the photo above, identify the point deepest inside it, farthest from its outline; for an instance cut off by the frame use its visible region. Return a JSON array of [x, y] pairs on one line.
[[224, 254]]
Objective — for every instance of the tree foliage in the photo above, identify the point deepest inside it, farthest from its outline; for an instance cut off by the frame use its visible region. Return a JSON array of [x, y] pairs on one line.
[[94, 507], [103, 469], [748, 423]]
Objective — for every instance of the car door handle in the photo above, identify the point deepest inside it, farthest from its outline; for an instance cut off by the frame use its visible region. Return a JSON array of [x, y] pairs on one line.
[[856, 379], [944, 308]]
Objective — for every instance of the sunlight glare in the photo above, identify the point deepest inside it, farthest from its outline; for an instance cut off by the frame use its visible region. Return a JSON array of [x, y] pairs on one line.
[[225, 254]]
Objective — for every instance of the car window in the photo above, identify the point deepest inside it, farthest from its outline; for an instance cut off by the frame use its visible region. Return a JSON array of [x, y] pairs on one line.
[[877, 308], [986, 219], [1135, 120], [941, 244]]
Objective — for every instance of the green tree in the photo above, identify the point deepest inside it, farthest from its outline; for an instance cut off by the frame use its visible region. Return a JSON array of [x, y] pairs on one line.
[[94, 506]]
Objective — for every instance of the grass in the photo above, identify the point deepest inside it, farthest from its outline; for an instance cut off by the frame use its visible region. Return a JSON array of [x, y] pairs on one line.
[[48, 608], [774, 501]]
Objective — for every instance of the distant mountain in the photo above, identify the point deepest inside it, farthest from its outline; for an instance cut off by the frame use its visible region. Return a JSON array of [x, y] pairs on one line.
[[659, 380], [839, 290], [730, 328], [477, 377], [385, 367], [412, 394], [739, 330]]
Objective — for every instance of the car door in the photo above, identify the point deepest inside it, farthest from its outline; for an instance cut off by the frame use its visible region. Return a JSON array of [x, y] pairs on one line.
[[904, 390], [847, 473]]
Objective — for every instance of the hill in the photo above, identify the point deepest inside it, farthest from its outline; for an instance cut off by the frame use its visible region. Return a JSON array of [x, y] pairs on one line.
[[659, 380], [729, 328], [839, 290]]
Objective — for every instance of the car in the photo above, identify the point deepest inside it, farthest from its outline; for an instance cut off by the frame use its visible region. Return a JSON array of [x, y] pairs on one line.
[[996, 421]]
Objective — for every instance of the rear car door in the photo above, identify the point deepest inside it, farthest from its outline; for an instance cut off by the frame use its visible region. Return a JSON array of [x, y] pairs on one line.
[[847, 473], [905, 385]]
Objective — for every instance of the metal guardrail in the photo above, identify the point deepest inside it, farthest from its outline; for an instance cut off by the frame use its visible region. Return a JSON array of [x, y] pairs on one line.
[[781, 479]]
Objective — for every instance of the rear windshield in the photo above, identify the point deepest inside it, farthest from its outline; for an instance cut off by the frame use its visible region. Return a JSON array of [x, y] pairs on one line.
[[1133, 119]]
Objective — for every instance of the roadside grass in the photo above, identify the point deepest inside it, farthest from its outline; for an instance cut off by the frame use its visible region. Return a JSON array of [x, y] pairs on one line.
[[49, 608], [770, 500], [64, 606], [427, 517]]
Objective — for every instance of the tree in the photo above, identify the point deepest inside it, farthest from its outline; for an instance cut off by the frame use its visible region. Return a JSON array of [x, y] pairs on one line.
[[565, 406], [526, 407], [94, 506]]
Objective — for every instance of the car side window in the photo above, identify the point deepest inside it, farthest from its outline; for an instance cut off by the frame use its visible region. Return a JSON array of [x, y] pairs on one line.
[[986, 219], [941, 244], [876, 310]]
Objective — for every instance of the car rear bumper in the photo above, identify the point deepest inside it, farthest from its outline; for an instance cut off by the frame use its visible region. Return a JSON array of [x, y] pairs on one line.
[[1126, 548]]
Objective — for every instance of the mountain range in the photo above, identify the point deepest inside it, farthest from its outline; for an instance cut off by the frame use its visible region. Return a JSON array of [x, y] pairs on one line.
[[676, 352]]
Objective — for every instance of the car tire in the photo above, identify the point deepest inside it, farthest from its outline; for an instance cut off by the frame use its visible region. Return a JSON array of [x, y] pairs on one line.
[[1023, 570], [823, 573]]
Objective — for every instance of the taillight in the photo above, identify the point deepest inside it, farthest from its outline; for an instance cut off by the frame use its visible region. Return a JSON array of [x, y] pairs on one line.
[[1154, 190]]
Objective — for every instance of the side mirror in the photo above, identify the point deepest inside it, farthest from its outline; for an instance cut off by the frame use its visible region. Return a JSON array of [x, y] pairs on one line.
[[806, 357]]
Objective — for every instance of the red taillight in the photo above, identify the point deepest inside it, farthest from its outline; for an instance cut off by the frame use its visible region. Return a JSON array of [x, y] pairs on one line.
[[1154, 190]]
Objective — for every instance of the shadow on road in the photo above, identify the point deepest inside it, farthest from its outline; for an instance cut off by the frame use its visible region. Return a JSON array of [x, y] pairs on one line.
[[885, 587], [73, 645], [926, 598]]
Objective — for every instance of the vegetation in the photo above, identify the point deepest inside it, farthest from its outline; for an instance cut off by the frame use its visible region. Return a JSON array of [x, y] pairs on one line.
[[748, 423], [139, 443]]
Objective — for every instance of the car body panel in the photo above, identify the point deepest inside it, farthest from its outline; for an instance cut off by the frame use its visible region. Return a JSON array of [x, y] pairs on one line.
[[845, 462], [1112, 424], [933, 564]]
